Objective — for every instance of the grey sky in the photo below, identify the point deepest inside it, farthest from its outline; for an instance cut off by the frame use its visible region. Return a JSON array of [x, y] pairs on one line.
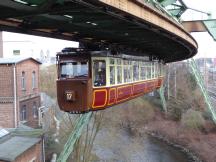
[[207, 46]]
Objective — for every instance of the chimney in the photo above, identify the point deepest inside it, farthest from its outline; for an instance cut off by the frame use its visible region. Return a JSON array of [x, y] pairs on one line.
[[1, 45]]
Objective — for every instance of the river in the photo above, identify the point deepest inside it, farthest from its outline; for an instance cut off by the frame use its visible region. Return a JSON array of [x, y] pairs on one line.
[[119, 146]]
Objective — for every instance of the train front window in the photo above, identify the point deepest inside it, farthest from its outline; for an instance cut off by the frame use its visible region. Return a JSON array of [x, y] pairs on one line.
[[73, 69]]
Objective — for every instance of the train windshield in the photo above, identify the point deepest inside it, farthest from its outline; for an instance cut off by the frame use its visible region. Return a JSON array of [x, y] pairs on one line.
[[73, 69]]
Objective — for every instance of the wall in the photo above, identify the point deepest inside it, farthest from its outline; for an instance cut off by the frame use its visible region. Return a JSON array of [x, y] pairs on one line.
[[29, 95], [28, 67], [6, 80], [31, 120], [6, 96], [35, 152], [6, 115], [1, 45]]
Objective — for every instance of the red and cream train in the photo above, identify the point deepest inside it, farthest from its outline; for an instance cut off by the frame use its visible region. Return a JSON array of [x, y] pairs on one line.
[[95, 80]]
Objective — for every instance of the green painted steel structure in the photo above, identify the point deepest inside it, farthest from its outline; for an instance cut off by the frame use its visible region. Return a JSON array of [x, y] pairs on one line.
[[201, 84], [211, 27], [162, 97], [82, 121], [175, 7]]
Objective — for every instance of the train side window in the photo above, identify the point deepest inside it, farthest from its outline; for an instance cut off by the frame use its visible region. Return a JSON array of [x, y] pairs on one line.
[[112, 75], [112, 71], [153, 70], [99, 73], [127, 68], [130, 66], [135, 71], [119, 71], [149, 70], [112, 61], [142, 71], [157, 69]]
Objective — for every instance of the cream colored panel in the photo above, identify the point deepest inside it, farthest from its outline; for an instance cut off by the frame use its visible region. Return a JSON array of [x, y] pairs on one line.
[[151, 15]]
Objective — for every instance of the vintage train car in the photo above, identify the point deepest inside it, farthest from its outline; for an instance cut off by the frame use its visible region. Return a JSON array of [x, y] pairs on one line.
[[94, 80]]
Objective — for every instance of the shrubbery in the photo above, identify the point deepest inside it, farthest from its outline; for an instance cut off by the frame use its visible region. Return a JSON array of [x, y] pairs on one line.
[[193, 119]]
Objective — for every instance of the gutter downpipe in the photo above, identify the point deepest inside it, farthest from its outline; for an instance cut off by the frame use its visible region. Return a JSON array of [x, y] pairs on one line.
[[43, 149], [15, 97]]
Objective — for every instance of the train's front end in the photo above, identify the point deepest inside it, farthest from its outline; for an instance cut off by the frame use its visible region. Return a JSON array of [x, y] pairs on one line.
[[73, 83]]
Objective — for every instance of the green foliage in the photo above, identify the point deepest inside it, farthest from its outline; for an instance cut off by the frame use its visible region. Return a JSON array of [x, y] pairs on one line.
[[193, 120]]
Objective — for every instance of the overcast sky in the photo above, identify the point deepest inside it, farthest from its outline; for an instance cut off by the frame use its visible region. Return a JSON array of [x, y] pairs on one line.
[[207, 46]]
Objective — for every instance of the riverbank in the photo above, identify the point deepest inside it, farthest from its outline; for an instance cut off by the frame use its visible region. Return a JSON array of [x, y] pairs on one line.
[[117, 145], [196, 143], [140, 116]]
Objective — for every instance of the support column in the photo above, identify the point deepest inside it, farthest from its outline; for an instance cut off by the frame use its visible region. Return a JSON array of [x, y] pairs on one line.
[[162, 97]]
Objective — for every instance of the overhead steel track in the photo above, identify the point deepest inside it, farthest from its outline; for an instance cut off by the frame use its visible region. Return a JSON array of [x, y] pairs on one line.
[[133, 26]]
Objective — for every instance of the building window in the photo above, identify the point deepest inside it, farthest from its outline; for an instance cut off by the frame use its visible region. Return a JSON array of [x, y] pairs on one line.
[[35, 110], [33, 80], [23, 113], [16, 52], [23, 82]]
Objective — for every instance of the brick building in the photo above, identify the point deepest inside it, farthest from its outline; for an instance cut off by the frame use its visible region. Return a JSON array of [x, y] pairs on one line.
[[21, 146], [19, 92]]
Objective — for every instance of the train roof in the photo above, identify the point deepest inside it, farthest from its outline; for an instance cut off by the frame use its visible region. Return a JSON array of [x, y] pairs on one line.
[[77, 52]]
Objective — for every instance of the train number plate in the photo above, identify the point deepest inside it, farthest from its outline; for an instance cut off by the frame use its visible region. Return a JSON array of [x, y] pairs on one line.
[[70, 95]]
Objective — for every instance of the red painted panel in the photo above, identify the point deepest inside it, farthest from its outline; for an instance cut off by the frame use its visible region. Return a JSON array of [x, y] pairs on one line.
[[160, 82], [149, 86], [124, 92], [99, 98], [112, 96], [138, 88]]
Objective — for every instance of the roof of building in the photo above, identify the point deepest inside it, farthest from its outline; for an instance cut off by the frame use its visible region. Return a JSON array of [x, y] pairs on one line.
[[15, 146], [16, 60]]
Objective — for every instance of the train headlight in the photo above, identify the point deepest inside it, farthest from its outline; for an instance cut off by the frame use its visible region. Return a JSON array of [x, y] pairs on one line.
[[70, 96]]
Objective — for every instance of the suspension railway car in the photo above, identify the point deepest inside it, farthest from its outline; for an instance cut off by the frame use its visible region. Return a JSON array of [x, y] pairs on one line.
[[95, 80]]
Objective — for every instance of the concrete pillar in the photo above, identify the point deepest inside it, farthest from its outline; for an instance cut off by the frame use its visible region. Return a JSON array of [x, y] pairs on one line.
[[1, 44]]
